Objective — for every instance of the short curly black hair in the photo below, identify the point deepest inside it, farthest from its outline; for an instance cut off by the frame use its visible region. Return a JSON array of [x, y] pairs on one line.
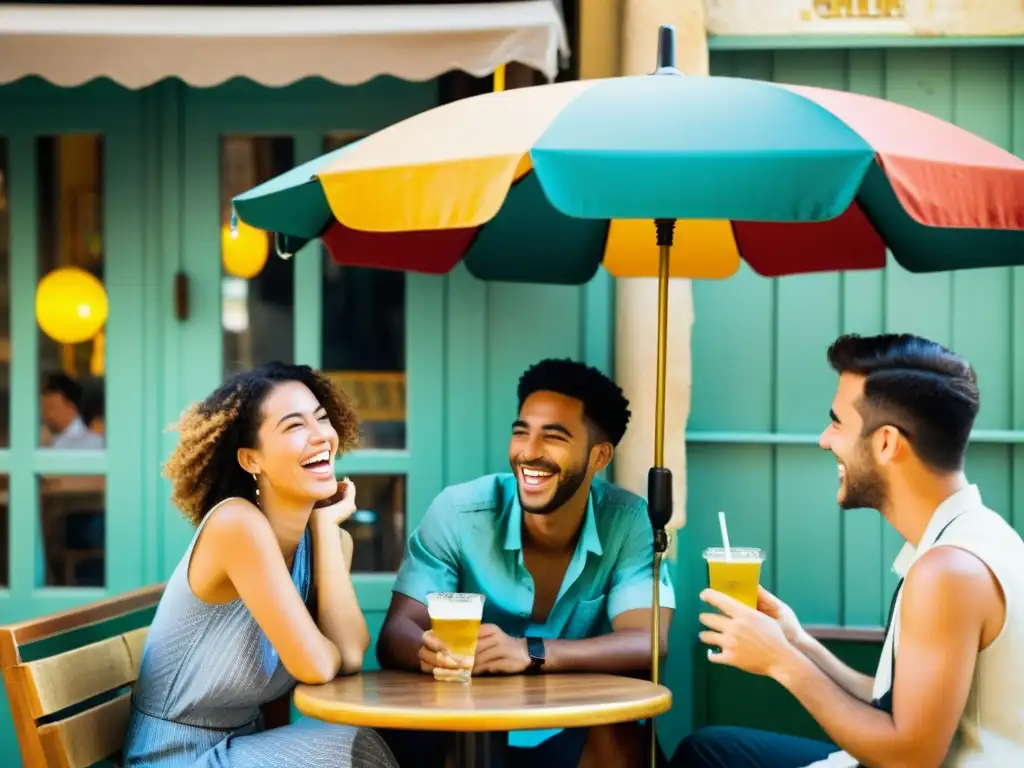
[[604, 406], [204, 468]]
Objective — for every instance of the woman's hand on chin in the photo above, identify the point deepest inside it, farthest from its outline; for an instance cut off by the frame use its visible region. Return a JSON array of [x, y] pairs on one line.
[[337, 509]]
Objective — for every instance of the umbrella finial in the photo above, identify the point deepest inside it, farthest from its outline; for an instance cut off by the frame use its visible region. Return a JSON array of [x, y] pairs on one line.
[[667, 51]]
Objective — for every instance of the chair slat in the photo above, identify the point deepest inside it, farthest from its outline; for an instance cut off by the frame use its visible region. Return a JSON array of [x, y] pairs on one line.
[[47, 686], [75, 676], [88, 737], [136, 642], [33, 630]]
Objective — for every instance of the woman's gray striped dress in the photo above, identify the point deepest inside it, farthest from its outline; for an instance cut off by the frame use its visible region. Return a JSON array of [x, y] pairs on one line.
[[206, 670]]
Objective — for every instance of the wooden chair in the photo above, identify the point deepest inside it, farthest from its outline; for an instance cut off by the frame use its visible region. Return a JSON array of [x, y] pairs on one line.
[[71, 709]]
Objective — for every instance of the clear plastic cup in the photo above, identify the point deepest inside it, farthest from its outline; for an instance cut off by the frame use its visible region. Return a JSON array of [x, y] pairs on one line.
[[737, 576]]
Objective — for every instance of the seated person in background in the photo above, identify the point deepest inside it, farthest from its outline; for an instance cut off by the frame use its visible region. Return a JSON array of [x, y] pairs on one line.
[[61, 412], [949, 687], [558, 554]]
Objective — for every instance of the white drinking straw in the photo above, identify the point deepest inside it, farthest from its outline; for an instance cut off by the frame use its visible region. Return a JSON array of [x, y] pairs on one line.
[[725, 535]]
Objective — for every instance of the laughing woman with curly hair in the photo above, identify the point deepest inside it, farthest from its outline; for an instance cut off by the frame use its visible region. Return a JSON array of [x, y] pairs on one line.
[[262, 598]]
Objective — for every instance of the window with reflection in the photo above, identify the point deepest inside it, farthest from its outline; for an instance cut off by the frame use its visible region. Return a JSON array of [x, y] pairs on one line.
[[378, 526], [257, 299], [71, 300], [363, 340], [72, 521]]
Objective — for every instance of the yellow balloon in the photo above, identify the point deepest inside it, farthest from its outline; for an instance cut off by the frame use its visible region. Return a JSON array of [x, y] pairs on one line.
[[243, 252], [71, 305]]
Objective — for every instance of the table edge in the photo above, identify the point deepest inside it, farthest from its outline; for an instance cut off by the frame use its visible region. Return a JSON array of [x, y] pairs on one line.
[[435, 719]]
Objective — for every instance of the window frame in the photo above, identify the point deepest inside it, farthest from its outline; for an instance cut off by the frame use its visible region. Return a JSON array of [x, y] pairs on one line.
[[29, 111], [307, 112]]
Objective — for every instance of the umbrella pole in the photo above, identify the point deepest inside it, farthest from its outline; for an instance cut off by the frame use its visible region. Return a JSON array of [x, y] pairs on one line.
[[659, 479]]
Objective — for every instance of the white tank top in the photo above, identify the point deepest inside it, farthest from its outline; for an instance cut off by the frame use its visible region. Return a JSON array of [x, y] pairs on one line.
[[991, 729]]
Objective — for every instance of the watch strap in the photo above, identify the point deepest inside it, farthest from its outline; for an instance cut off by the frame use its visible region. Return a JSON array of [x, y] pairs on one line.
[[535, 648]]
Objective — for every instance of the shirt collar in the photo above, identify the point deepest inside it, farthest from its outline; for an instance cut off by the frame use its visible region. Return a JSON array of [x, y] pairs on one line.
[[76, 427], [590, 540], [963, 500]]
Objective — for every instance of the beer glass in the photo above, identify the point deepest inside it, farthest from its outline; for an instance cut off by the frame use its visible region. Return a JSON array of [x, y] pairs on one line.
[[455, 619]]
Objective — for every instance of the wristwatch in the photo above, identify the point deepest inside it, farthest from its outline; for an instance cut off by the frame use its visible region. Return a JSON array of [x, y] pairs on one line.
[[535, 647]]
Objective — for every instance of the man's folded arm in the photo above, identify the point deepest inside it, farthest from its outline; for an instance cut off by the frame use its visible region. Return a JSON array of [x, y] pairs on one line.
[[627, 648]]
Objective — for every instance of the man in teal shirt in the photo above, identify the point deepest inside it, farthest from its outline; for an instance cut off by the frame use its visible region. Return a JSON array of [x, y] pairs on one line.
[[563, 558]]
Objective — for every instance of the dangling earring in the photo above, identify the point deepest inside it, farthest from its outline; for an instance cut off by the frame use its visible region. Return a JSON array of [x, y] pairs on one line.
[[256, 480]]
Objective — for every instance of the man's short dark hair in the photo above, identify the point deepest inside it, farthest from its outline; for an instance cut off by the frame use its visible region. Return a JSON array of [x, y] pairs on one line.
[[918, 386], [93, 405], [62, 384], [605, 408]]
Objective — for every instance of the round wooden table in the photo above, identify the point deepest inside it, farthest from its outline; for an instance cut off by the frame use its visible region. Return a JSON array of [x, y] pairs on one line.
[[480, 713]]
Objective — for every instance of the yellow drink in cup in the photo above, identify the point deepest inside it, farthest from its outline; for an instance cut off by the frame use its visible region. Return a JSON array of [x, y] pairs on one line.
[[737, 576], [455, 618]]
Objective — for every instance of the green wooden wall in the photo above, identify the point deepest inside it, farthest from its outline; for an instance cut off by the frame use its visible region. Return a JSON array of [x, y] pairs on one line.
[[762, 387]]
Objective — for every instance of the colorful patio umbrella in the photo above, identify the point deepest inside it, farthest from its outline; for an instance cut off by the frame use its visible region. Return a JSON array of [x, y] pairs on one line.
[[545, 184]]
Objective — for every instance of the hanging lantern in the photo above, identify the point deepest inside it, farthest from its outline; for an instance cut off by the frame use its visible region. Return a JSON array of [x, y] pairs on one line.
[[98, 358], [71, 305], [243, 249]]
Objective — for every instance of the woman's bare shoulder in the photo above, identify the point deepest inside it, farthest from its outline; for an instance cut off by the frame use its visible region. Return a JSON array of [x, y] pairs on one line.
[[238, 520], [234, 533]]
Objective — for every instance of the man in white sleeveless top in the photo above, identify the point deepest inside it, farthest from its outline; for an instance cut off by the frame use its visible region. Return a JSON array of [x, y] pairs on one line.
[[900, 422]]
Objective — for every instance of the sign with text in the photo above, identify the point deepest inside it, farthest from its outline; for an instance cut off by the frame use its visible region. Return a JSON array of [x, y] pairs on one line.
[[915, 18]]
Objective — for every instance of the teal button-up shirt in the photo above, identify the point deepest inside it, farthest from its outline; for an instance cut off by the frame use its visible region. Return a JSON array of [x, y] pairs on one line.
[[471, 540]]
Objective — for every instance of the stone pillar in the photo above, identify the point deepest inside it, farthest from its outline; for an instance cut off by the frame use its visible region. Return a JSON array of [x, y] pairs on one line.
[[598, 49], [636, 321]]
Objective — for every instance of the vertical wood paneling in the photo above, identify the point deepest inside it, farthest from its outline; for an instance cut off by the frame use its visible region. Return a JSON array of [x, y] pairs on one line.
[[915, 303], [862, 299], [982, 303], [525, 324], [760, 369], [466, 390], [737, 480], [1016, 329], [732, 342], [983, 299], [493, 333], [123, 277], [808, 533], [424, 324]]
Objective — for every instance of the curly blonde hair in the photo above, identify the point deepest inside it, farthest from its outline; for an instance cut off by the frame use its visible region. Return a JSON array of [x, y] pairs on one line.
[[204, 468]]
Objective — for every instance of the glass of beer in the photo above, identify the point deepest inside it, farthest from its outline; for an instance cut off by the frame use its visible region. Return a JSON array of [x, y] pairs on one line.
[[736, 575], [455, 618]]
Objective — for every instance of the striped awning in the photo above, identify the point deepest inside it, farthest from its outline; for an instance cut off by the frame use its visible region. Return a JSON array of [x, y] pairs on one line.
[[137, 46]]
